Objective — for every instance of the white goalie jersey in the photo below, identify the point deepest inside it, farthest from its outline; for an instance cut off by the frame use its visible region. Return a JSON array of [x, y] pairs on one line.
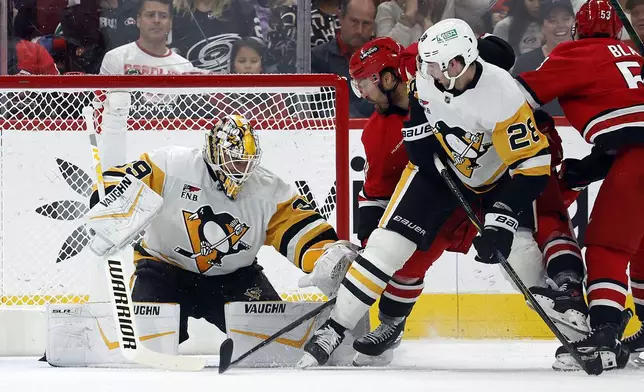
[[201, 230]]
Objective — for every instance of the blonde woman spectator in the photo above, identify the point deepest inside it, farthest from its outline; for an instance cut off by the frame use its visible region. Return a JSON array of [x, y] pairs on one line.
[[204, 31], [521, 28], [406, 20]]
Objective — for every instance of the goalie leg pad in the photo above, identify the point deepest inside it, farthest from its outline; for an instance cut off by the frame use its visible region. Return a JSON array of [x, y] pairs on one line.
[[80, 335]]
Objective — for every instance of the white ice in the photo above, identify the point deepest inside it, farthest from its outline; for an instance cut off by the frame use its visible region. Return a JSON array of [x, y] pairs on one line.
[[430, 365]]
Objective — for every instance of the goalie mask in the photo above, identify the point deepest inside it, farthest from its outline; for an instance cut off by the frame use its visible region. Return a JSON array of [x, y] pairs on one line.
[[232, 150]]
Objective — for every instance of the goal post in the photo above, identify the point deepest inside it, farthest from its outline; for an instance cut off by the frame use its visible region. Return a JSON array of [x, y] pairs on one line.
[[45, 169]]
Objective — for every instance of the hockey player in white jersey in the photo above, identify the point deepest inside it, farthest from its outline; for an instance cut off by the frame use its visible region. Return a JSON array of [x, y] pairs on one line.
[[219, 207], [474, 117]]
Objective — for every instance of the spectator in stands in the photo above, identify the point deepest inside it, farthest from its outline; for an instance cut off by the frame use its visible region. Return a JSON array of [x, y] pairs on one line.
[[496, 14], [557, 18], [28, 58], [406, 20], [325, 23], [357, 19], [85, 47], [248, 56], [521, 28], [204, 31], [282, 36], [471, 11], [150, 54], [636, 8], [118, 22]]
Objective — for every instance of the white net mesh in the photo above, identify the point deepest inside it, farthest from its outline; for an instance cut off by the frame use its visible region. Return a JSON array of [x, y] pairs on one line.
[[46, 170]]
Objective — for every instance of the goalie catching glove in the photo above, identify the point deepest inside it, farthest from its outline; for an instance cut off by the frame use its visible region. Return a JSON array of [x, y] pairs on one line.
[[330, 268], [116, 220]]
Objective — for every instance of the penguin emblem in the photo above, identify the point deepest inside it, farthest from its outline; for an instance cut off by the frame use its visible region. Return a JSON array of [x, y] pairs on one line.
[[212, 236], [464, 148]]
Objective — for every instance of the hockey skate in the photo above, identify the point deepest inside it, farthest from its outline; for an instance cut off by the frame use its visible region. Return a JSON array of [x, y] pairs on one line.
[[566, 306], [377, 347], [322, 344], [635, 345], [603, 342]]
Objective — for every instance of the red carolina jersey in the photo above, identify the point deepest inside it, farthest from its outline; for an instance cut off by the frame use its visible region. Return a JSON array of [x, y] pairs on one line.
[[597, 81], [385, 153]]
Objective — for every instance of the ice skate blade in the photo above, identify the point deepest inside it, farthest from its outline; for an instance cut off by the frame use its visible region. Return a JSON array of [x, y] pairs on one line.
[[384, 359], [307, 361]]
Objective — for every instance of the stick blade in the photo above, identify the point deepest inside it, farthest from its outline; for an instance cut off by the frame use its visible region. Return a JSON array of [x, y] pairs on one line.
[[225, 355]]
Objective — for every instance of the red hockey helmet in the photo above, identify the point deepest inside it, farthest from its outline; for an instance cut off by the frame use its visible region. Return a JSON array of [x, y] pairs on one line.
[[597, 18], [373, 57]]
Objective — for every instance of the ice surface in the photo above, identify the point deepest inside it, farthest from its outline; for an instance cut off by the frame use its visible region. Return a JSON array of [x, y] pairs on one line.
[[431, 365]]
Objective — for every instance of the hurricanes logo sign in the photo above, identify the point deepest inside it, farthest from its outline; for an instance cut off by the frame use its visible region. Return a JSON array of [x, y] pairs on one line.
[[464, 148], [212, 237]]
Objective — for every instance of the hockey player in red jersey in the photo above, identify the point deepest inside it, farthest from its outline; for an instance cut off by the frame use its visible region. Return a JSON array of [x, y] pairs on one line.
[[386, 159], [597, 80]]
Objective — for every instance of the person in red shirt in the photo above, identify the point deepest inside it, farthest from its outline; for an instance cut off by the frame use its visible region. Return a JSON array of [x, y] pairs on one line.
[[379, 72], [32, 59], [598, 82]]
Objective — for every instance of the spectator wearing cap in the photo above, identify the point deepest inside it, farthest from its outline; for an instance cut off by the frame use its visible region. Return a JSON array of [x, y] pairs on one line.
[[521, 28], [557, 19], [357, 24]]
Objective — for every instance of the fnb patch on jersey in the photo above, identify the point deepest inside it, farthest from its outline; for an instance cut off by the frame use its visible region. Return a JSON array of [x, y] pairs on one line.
[[190, 192]]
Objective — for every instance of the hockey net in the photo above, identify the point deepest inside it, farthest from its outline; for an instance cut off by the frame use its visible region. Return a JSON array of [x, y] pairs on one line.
[[46, 167]]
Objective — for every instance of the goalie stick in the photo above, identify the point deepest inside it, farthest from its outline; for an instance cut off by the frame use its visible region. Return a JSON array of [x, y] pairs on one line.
[[121, 295], [592, 366], [227, 346]]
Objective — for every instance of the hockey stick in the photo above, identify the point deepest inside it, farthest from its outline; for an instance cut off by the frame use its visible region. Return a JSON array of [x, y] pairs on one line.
[[121, 295], [627, 25], [592, 366], [226, 348]]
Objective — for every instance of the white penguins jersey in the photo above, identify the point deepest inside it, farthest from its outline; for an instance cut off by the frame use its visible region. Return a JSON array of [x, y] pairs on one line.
[[485, 129], [201, 230]]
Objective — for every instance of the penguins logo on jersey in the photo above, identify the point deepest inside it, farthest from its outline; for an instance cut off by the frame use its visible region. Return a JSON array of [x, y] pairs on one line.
[[212, 236], [464, 148]]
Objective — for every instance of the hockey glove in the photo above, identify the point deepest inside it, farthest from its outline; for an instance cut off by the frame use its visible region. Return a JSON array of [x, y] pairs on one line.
[[577, 174], [498, 233]]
